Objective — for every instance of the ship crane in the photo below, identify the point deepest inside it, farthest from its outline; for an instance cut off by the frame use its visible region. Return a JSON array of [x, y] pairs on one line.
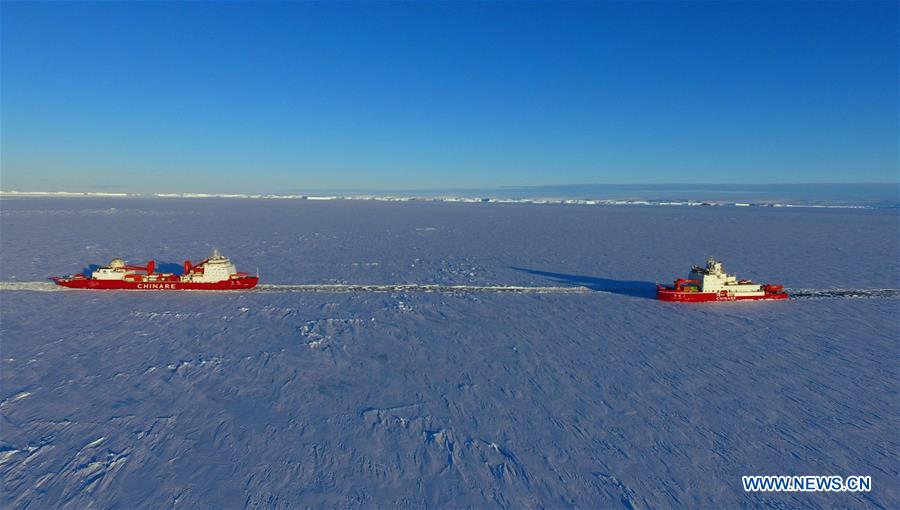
[[151, 265], [190, 267]]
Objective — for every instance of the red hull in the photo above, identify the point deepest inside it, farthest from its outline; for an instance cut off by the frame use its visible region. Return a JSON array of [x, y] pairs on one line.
[[242, 283], [669, 294]]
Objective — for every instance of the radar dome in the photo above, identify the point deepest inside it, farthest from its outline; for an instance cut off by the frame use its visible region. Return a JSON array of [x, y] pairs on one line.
[[117, 263]]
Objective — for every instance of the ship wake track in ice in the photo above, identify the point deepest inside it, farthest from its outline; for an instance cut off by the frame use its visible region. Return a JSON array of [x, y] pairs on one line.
[[33, 286], [415, 287], [340, 287], [418, 287], [844, 293]]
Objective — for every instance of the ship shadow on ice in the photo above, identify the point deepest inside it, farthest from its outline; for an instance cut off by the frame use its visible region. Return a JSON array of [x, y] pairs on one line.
[[631, 288], [169, 267]]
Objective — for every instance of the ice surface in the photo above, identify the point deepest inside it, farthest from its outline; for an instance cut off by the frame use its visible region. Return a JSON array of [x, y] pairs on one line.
[[305, 242], [378, 394]]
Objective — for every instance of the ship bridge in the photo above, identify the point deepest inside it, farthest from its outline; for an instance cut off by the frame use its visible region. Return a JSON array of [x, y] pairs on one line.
[[713, 278]]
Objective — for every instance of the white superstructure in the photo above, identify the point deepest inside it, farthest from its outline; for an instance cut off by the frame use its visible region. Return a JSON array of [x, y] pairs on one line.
[[217, 268], [116, 270], [713, 278]]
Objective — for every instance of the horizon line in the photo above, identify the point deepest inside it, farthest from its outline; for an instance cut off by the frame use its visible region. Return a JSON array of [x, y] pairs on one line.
[[292, 191]]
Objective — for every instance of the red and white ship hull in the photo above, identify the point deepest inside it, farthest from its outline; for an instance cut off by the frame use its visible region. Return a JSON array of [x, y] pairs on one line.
[[664, 293], [241, 283]]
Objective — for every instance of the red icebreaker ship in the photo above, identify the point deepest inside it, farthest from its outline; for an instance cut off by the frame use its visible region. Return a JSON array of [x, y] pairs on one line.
[[214, 273], [712, 283]]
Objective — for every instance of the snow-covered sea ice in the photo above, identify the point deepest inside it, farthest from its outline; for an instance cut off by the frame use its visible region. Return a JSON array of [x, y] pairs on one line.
[[397, 358]]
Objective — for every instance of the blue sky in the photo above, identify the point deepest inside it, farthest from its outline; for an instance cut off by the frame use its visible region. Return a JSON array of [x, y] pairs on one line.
[[276, 97]]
